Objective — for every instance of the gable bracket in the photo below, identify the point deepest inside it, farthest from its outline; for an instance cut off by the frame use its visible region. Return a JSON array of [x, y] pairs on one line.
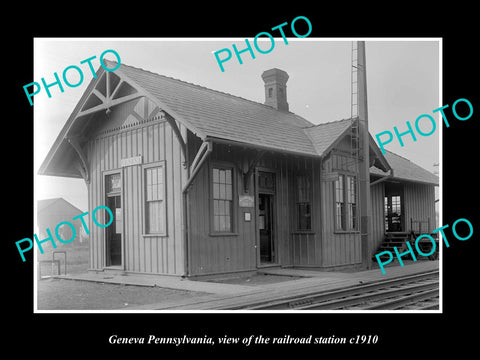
[[202, 155], [108, 103], [383, 178], [171, 121], [77, 165], [81, 155], [200, 152]]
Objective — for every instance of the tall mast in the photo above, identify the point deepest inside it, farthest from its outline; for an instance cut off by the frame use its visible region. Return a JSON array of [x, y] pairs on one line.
[[360, 146]]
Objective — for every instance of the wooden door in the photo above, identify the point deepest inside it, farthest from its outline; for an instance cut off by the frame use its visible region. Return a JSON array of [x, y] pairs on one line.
[[266, 228], [113, 233], [393, 213]]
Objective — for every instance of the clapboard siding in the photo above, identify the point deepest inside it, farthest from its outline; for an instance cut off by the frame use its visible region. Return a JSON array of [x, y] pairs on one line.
[[419, 204], [283, 211], [339, 248], [210, 254], [155, 141], [377, 195], [322, 247], [306, 246], [280, 165]]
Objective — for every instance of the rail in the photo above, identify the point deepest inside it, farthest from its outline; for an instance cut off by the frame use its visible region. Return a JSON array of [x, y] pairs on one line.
[[371, 296]]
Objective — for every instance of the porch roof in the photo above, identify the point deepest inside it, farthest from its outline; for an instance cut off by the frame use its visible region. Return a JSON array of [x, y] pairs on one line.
[[404, 169]]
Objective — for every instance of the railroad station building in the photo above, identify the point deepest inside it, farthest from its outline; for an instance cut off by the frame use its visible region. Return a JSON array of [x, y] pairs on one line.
[[203, 182]]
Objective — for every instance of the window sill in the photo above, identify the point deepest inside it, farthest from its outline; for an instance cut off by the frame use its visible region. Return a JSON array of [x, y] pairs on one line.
[[154, 235], [223, 234]]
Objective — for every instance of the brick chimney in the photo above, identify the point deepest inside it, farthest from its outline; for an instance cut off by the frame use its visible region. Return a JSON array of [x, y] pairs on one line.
[[276, 88]]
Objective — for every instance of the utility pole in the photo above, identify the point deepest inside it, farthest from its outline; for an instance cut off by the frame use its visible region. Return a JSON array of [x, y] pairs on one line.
[[364, 166]]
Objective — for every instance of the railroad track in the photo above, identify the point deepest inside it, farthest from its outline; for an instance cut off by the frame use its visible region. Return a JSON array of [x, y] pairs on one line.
[[420, 292]]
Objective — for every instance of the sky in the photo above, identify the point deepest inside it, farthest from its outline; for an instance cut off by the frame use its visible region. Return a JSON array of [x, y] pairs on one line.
[[403, 82]]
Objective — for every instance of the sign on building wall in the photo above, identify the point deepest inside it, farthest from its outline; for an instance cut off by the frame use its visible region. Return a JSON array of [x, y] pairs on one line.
[[331, 176], [246, 201], [135, 160]]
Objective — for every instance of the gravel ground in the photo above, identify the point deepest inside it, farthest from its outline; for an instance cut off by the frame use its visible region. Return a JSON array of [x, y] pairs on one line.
[[63, 294]]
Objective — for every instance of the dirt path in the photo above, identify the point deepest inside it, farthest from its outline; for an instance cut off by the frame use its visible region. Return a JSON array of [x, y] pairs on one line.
[[62, 294]]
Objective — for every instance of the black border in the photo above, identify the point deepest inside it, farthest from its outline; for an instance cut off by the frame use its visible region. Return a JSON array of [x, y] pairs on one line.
[[406, 334]]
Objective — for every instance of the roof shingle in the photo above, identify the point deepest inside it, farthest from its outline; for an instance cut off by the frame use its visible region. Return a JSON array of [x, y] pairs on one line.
[[214, 114], [324, 135], [404, 169], [220, 115]]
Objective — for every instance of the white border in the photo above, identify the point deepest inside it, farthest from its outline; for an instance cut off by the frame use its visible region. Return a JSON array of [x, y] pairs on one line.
[[286, 312]]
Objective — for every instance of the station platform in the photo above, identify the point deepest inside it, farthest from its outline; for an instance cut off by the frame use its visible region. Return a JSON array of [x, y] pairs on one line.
[[222, 296], [217, 295], [163, 281]]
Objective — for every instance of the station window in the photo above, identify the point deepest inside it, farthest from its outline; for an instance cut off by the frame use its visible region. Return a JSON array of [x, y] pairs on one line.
[[339, 204], [155, 212], [113, 183], [303, 203], [222, 188], [352, 203], [346, 214]]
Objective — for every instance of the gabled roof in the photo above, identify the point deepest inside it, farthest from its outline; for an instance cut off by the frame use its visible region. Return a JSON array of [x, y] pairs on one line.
[[214, 114], [209, 114], [46, 203], [323, 136], [404, 169], [326, 136]]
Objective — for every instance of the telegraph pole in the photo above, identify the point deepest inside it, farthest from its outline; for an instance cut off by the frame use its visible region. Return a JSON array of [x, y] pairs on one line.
[[364, 166]]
